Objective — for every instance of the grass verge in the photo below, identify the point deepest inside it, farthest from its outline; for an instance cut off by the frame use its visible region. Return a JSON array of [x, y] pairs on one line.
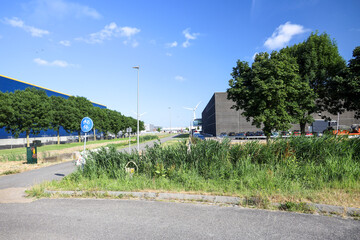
[[18, 154], [291, 172]]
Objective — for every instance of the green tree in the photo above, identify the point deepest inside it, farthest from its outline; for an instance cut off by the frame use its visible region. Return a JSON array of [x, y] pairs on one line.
[[30, 112], [351, 93], [6, 111], [117, 122], [323, 69], [100, 119], [131, 122], [79, 107], [59, 109], [141, 125], [267, 92]]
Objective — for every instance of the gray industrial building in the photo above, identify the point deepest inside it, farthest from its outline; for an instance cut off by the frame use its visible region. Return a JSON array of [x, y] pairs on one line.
[[218, 117]]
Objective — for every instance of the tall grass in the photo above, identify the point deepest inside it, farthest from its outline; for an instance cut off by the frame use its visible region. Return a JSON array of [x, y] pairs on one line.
[[282, 166]]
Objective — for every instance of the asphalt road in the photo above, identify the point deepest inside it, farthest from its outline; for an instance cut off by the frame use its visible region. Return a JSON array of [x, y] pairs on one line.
[[54, 172], [29, 178], [129, 219]]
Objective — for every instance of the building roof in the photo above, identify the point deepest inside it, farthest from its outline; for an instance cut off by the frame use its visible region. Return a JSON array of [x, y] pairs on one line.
[[9, 84]]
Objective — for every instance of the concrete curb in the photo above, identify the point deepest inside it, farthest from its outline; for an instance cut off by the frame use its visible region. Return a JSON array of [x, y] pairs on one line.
[[319, 208]]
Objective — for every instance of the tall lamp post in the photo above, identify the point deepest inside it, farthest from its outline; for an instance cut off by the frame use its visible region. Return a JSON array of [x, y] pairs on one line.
[[170, 117], [138, 142]]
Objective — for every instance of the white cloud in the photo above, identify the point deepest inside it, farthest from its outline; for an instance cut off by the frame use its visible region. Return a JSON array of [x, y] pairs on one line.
[[55, 63], [283, 34], [134, 44], [253, 57], [179, 78], [65, 43], [131, 42], [128, 31], [16, 22], [110, 31], [168, 54], [62, 8], [171, 45], [189, 37]]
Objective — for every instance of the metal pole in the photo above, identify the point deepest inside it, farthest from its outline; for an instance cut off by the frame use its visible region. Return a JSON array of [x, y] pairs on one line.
[[138, 146], [337, 124], [170, 118], [129, 142], [83, 156], [138, 142], [84, 144]]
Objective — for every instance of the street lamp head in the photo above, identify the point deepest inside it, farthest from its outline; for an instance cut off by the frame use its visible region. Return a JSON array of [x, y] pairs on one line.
[[137, 67]]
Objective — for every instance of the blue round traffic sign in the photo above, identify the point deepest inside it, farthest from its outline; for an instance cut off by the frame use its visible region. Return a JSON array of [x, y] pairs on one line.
[[86, 124]]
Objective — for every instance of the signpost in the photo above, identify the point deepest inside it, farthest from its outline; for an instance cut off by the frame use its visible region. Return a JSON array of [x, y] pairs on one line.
[[86, 126], [129, 130]]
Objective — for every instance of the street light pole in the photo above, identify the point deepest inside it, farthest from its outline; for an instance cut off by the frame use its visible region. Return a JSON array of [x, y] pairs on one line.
[[170, 118], [137, 115], [337, 123]]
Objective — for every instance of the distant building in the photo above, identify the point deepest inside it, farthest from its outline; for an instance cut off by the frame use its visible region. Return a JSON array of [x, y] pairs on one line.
[[173, 129], [219, 117], [149, 127], [158, 127], [197, 124], [8, 84]]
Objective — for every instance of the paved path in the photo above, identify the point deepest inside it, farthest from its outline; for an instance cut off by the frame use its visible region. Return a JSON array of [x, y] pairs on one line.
[[144, 145], [32, 177], [129, 219]]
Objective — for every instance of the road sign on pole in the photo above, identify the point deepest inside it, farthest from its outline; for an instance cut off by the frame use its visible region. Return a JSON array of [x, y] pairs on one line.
[[129, 130], [86, 126]]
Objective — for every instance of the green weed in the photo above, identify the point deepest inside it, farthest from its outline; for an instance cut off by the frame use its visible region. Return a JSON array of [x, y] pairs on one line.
[[10, 172], [295, 166], [297, 207]]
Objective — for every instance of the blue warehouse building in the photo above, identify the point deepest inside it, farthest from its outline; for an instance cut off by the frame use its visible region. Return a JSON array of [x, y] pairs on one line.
[[8, 84]]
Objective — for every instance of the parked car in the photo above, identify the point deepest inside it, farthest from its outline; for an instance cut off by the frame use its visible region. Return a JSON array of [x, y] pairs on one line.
[[231, 134], [240, 135], [223, 134], [285, 134], [207, 135], [296, 133], [250, 134], [260, 135], [198, 135], [308, 134], [274, 134]]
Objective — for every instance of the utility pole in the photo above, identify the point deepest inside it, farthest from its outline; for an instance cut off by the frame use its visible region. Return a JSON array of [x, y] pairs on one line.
[[138, 142]]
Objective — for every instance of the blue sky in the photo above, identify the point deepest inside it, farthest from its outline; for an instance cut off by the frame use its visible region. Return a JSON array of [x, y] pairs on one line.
[[185, 49]]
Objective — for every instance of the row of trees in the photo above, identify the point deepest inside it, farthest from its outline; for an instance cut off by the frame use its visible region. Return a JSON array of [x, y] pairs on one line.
[[288, 86], [31, 111]]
